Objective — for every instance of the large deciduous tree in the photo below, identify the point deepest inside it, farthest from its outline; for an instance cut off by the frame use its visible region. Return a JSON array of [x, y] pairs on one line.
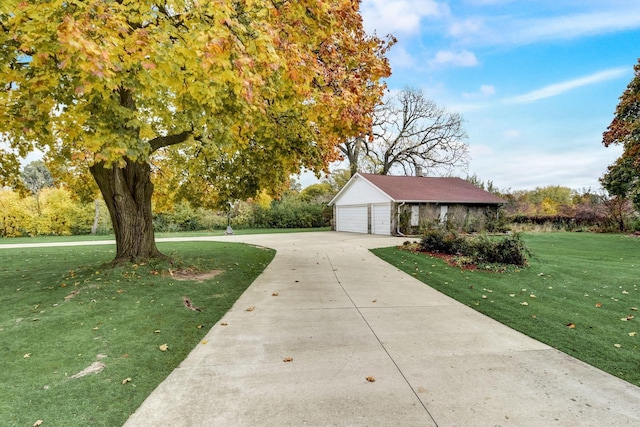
[[237, 94], [36, 176], [409, 131], [622, 179]]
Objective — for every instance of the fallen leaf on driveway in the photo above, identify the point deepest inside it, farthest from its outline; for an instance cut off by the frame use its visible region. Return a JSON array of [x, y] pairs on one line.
[[223, 324], [204, 341], [371, 379], [288, 359], [250, 308], [164, 347], [275, 294]]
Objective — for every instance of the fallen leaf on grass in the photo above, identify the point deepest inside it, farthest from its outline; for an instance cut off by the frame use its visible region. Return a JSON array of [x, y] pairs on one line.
[[250, 308], [524, 303], [629, 317], [532, 296], [199, 326], [26, 356], [164, 347], [157, 331], [571, 326], [371, 379], [38, 423], [634, 308], [632, 334], [288, 359], [617, 345], [126, 380], [598, 304]]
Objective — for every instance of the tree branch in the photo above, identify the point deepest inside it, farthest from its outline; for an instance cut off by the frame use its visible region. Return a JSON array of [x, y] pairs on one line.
[[166, 141]]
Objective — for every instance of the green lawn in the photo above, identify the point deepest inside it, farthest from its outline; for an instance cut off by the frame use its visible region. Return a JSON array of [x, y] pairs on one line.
[[578, 295], [89, 237], [62, 309]]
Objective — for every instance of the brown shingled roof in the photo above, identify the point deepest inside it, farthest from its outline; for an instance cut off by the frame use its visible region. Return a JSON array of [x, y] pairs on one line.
[[431, 189]]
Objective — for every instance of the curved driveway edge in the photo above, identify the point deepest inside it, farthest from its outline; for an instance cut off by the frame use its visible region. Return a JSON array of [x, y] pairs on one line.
[[329, 317]]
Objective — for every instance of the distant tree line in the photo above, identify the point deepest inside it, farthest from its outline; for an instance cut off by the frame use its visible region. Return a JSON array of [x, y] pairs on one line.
[[42, 206]]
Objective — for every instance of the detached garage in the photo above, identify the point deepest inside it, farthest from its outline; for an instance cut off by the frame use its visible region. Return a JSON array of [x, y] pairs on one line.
[[396, 205]]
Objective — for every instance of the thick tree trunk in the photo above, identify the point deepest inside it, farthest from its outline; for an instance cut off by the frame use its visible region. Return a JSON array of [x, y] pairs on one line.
[[127, 192]]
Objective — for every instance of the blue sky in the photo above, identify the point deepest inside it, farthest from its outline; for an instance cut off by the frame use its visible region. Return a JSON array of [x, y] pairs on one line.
[[536, 81]]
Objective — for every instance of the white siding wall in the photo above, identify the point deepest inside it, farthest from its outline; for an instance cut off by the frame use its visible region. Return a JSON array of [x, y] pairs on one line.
[[360, 192]]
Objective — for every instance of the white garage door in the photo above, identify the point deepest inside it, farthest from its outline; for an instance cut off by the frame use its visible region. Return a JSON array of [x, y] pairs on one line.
[[381, 219], [352, 218]]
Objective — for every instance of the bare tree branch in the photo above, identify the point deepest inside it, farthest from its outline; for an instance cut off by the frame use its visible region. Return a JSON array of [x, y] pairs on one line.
[[410, 131]]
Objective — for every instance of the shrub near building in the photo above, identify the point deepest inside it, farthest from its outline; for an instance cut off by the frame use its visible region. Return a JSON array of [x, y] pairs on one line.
[[481, 251]]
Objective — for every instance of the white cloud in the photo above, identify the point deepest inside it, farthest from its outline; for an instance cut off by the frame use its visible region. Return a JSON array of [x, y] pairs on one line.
[[485, 91], [567, 27], [463, 58], [559, 88], [467, 27], [518, 169], [509, 29], [398, 16], [401, 58], [511, 134]]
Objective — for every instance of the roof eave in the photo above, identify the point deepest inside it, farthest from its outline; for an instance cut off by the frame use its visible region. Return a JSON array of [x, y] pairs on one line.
[[462, 202]]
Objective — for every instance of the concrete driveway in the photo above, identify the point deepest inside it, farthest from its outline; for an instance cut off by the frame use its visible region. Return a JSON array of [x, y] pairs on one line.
[[341, 318]]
